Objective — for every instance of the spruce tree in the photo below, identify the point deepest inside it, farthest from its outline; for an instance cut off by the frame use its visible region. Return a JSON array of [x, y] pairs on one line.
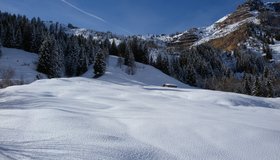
[[27, 36], [191, 79], [82, 62], [51, 58], [0, 48], [99, 66], [19, 39], [127, 54], [114, 50], [122, 49], [162, 63], [106, 44], [129, 60], [247, 85], [256, 89], [72, 57], [89, 49], [10, 39], [270, 90], [266, 72], [268, 52]]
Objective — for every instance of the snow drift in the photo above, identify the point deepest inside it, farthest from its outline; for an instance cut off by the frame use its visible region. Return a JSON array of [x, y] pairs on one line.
[[128, 117]]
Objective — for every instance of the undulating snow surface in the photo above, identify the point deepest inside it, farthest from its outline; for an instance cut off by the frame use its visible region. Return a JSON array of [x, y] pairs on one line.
[[123, 117]]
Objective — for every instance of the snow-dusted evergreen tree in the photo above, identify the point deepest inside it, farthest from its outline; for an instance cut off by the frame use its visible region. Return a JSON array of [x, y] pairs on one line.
[[89, 49], [0, 48], [270, 88], [82, 62], [106, 44], [267, 51], [247, 84], [99, 66], [9, 37], [51, 58], [72, 57], [122, 49], [114, 50], [256, 89], [19, 40], [191, 79], [162, 63], [106, 54], [129, 61], [27, 36], [138, 48]]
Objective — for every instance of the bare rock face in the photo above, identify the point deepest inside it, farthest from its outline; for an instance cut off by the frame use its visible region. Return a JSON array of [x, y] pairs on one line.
[[187, 39], [252, 5]]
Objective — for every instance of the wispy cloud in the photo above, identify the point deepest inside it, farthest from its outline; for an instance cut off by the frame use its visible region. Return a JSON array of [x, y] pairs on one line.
[[84, 12]]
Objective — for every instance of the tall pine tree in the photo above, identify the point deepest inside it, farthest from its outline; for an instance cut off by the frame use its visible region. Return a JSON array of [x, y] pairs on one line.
[[99, 66], [114, 50], [51, 58], [256, 90], [0, 48], [129, 61], [72, 57]]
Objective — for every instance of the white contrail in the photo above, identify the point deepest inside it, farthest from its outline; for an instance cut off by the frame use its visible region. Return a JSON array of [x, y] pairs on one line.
[[82, 11], [95, 16]]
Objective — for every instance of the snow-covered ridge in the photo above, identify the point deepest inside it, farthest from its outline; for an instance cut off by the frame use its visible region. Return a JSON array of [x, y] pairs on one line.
[[214, 31], [86, 33], [222, 19]]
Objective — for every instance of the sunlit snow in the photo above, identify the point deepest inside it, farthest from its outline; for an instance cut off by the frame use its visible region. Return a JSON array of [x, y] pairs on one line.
[[133, 118]]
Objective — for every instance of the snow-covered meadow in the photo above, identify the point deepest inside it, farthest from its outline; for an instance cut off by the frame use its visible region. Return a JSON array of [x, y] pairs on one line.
[[123, 117], [22, 63]]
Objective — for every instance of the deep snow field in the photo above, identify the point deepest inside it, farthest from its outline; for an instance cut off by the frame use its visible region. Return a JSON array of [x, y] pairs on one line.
[[122, 117]]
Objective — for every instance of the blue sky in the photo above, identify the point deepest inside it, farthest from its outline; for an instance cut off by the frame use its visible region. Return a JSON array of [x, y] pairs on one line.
[[126, 16]]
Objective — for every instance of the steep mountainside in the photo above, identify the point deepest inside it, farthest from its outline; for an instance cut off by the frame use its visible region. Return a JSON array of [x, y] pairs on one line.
[[253, 19], [242, 46]]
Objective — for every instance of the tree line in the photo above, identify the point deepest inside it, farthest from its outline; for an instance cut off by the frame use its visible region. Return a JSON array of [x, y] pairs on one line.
[[61, 54]]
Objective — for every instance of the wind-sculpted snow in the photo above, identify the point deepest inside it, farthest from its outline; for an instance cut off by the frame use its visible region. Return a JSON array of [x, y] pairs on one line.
[[81, 118]]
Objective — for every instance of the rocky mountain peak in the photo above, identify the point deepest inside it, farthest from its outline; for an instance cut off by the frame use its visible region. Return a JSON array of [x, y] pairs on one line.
[[252, 5]]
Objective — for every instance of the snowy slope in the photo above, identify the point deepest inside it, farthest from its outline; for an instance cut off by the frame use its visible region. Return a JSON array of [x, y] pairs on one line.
[[23, 63], [276, 50], [146, 75], [120, 116], [131, 117]]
